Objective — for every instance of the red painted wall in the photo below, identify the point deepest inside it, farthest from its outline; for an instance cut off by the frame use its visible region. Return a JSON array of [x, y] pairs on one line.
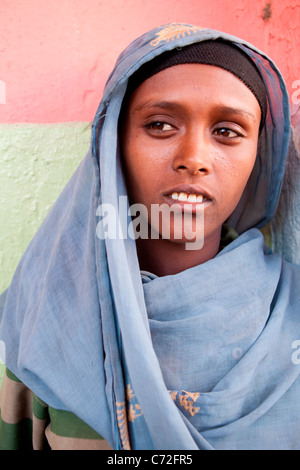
[[55, 55]]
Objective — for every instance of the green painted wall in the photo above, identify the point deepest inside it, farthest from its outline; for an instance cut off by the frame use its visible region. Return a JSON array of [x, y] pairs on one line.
[[36, 161]]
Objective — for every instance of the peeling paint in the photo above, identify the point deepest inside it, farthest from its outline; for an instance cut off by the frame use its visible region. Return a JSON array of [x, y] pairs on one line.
[[267, 12]]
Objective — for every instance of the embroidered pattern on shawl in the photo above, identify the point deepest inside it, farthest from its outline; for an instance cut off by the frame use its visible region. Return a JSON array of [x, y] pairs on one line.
[[174, 31], [186, 400]]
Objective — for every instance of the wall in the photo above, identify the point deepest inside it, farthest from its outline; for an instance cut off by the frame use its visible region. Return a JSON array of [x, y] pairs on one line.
[[55, 57], [54, 60]]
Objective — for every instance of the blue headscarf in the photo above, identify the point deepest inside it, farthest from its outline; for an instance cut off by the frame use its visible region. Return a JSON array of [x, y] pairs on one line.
[[179, 362]]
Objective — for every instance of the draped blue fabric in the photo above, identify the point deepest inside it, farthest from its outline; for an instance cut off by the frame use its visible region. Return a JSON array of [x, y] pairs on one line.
[[199, 360]]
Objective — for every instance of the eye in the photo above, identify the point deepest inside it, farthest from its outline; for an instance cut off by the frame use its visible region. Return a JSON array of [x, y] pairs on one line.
[[160, 126], [227, 133]]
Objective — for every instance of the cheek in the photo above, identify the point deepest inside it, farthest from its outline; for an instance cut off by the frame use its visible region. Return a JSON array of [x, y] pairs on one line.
[[145, 162], [234, 174], [140, 173]]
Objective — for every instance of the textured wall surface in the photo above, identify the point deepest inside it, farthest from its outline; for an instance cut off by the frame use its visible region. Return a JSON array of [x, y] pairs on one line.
[[55, 57], [36, 163]]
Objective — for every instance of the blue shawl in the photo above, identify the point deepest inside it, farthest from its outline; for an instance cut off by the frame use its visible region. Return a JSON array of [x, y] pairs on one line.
[[204, 359]]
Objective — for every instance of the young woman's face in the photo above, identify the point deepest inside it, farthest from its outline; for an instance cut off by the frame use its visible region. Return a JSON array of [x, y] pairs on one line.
[[189, 137]]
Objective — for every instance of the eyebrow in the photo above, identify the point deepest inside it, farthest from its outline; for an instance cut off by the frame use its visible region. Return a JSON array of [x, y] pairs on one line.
[[170, 105], [159, 104], [238, 111]]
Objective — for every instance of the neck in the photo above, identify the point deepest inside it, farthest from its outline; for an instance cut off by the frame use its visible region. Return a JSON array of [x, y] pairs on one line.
[[164, 257]]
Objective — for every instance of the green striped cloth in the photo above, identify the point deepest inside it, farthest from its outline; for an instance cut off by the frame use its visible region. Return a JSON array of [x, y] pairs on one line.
[[26, 422]]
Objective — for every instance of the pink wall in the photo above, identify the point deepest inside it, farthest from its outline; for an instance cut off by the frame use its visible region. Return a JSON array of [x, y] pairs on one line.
[[55, 55]]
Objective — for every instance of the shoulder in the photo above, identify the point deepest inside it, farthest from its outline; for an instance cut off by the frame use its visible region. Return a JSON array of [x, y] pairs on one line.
[[26, 422]]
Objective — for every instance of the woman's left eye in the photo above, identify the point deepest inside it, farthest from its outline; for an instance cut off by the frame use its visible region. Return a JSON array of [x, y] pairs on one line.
[[227, 133]]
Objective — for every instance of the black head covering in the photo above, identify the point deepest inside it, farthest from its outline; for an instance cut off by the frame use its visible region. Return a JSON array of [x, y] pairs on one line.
[[218, 53]]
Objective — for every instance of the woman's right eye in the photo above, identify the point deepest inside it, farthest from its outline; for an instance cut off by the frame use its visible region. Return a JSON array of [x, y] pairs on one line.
[[160, 126]]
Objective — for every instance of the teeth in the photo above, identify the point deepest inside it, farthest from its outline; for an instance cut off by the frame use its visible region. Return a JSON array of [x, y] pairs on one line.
[[187, 197], [182, 197]]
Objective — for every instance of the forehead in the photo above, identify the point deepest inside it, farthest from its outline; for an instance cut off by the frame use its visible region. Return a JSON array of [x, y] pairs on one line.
[[194, 83]]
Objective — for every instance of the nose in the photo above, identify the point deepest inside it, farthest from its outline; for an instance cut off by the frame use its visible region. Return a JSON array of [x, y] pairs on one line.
[[194, 154]]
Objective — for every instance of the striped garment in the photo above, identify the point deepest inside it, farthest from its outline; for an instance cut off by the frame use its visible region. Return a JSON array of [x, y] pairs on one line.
[[27, 423]]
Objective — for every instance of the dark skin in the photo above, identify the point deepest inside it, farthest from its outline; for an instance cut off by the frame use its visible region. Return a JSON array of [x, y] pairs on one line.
[[188, 131]]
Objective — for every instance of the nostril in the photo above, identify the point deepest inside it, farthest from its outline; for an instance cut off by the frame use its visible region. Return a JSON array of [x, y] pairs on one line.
[[197, 170]]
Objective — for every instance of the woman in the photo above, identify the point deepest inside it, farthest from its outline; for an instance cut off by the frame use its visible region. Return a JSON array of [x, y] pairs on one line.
[[177, 333]]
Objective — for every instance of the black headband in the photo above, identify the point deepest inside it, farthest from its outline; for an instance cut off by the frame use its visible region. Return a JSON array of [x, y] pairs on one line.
[[219, 53]]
